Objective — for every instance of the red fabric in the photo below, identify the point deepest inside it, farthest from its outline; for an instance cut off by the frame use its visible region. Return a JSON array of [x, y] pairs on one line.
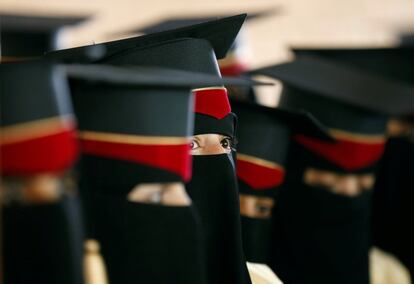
[[173, 158], [52, 153], [259, 177], [234, 69], [213, 102], [347, 154]]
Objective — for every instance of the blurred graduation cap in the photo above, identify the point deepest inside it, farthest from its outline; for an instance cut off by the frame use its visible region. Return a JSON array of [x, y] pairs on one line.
[[345, 84], [353, 103], [37, 130], [28, 35], [261, 164], [393, 62]]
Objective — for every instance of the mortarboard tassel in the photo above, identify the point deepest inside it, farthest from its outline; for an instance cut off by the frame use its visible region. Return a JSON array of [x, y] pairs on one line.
[[93, 264]]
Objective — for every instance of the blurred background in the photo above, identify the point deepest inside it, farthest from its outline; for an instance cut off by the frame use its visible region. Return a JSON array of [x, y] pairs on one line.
[[373, 23]]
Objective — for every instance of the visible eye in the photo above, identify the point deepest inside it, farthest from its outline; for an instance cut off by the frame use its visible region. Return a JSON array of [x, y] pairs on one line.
[[227, 143], [194, 145]]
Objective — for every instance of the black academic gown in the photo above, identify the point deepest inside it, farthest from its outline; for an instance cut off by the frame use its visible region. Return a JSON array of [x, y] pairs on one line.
[[392, 208]]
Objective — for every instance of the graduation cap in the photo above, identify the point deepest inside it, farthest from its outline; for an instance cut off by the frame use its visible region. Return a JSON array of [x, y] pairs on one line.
[[393, 62], [232, 64], [194, 48], [28, 36], [353, 103], [263, 134], [218, 35], [135, 122], [36, 120]]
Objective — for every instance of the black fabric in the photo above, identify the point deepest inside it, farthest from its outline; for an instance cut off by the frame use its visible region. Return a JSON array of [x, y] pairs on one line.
[[261, 134], [256, 232], [242, 93], [118, 177], [205, 124], [268, 192], [151, 76], [44, 92], [333, 113], [145, 243], [213, 190], [28, 35], [393, 196], [140, 243], [42, 243], [196, 55], [123, 109], [297, 120], [343, 83], [392, 62], [26, 44], [319, 236], [256, 236]]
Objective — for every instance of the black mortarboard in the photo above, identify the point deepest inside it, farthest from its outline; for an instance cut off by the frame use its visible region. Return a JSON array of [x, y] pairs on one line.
[[182, 21], [260, 163], [353, 103], [27, 36], [344, 84], [36, 119], [393, 62], [219, 34], [194, 48], [151, 76], [115, 105]]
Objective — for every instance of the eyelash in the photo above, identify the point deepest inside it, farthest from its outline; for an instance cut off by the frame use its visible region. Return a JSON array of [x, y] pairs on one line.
[[232, 142]]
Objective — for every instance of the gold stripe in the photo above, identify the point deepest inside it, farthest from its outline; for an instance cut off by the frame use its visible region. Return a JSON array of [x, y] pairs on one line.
[[364, 138], [35, 129], [132, 139], [209, 88], [7, 59], [260, 162]]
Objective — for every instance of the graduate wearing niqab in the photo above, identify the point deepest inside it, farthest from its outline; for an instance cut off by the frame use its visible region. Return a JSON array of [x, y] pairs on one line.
[[323, 217], [213, 187], [263, 134], [392, 208], [41, 228], [126, 143]]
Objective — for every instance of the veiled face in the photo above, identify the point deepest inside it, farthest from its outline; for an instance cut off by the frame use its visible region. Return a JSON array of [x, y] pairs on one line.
[[167, 194], [256, 206], [211, 144], [344, 184], [36, 189]]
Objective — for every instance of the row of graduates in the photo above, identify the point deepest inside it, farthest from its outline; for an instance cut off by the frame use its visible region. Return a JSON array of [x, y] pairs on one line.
[[305, 170]]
